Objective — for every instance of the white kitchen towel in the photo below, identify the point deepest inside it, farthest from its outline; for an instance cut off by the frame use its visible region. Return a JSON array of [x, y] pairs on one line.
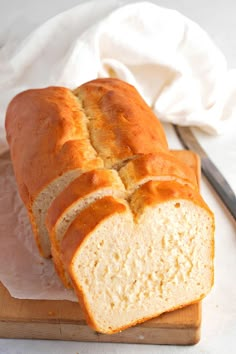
[[173, 63]]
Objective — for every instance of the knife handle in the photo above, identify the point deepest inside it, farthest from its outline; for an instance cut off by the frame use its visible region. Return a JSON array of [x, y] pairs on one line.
[[220, 184]]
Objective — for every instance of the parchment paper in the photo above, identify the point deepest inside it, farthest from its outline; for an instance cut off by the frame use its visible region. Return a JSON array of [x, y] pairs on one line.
[[23, 271]]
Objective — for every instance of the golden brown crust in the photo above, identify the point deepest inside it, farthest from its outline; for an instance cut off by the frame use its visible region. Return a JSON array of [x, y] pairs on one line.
[[163, 165], [191, 159], [84, 185], [121, 123], [47, 137], [154, 192]]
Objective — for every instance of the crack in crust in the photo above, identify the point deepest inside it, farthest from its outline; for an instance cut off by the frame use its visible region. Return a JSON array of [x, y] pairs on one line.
[[87, 119]]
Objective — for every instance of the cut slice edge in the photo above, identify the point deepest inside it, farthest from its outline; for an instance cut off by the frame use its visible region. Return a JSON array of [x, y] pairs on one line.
[[46, 196], [80, 193], [160, 167]]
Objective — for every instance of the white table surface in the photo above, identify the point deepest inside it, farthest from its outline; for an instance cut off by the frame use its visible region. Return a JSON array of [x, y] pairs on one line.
[[219, 308]]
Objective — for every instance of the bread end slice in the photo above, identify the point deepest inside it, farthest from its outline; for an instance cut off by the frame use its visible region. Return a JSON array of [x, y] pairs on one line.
[[84, 190]]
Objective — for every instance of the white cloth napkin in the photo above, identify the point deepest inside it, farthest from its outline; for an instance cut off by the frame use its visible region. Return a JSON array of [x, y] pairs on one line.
[[173, 63]]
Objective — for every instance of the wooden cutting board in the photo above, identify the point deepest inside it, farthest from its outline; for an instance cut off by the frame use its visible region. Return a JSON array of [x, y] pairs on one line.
[[64, 320]]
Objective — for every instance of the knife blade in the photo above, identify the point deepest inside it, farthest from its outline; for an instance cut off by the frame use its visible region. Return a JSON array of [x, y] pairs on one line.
[[209, 169]]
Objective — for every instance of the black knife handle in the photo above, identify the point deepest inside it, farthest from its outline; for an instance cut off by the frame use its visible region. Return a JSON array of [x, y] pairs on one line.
[[220, 184]]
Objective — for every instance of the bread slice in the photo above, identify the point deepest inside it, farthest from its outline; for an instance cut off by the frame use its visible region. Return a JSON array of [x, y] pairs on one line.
[[133, 261], [83, 191]]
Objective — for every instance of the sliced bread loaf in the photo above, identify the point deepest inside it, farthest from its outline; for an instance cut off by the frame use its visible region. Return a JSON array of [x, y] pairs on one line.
[[130, 253], [132, 262]]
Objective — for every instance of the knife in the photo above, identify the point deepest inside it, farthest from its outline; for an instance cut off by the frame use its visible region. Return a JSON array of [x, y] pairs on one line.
[[209, 169]]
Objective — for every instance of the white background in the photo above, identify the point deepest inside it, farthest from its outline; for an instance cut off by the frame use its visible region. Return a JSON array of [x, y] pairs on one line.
[[217, 17]]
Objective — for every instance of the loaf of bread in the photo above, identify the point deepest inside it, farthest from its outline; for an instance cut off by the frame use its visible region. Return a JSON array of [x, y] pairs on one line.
[[120, 213]]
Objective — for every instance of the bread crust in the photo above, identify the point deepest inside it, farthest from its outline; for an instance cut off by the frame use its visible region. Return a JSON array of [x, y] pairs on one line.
[[121, 123], [154, 192], [47, 137], [86, 184], [161, 166], [192, 160]]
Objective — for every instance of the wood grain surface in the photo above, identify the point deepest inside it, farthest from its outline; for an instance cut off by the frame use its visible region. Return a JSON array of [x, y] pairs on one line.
[[64, 320]]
